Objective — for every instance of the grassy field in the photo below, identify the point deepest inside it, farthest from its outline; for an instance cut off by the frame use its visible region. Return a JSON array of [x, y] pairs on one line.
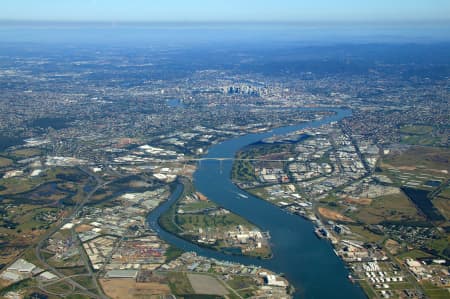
[[425, 140], [4, 162], [197, 206], [44, 194], [33, 218], [206, 285], [60, 288], [260, 192], [85, 281], [441, 246], [420, 135], [388, 208], [21, 225], [21, 285], [414, 254], [416, 129], [30, 256], [443, 205], [434, 292], [365, 234], [244, 285], [196, 221], [445, 193], [16, 240], [179, 283], [68, 271], [102, 194], [243, 171], [167, 220], [426, 159], [172, 253], [130, 289], [367, 289], [77, 296], [173, 221], [26, 153], [19, 185]]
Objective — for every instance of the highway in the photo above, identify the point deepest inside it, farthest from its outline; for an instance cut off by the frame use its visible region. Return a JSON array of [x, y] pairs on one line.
[[57, 227]]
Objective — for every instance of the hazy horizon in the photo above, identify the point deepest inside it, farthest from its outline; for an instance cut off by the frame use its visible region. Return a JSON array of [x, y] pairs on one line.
[[202, 21], [227, 11], [220, 32]]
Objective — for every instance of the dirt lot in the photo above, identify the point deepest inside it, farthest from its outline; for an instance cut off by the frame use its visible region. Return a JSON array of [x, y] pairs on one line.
[[393, 246], [83, 228], [129, 288], [201, 196], [359, 201], [207, 285], [333, 215]]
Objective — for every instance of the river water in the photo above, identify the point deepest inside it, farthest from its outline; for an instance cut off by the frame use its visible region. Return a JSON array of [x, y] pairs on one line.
[[307, 262]]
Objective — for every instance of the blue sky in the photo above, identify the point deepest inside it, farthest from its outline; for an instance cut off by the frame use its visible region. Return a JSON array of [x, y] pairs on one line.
[[227, 10]]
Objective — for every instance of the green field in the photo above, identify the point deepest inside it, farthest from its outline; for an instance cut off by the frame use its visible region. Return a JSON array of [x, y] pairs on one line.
[[21, 285], [69, 271], [416, 129], [414, 254], [443, 205], [61, 288], [25, 153], [85, 281], [367, 289], [78, 296], [167, 221], [260, 192], [244, 285], [434, 292], [243, 171], [179, 283], [395, 207], [365, 233], [420, 140], [172, 253], [445, 193], [424, 159], [196, 221], [197, 206], [421, 135], [5, 162]]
